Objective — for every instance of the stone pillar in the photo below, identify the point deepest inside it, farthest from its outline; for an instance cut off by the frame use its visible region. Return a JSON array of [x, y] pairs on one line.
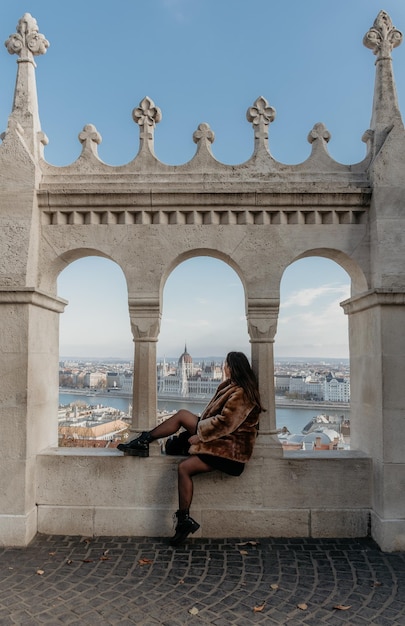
[[262, 318], [145, 324], [29, 328], [377, 406]]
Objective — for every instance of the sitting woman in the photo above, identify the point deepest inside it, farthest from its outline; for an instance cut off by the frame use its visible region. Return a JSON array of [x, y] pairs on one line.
[[221, 439]]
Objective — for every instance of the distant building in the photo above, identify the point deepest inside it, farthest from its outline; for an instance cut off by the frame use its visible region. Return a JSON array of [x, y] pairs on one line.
[[329, 388], [94, 379], [337, 389], [282, 383], [188, 379], [120, 380]]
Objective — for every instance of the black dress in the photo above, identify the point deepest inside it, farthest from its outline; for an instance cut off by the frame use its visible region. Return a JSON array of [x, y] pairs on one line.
[[228, 466]]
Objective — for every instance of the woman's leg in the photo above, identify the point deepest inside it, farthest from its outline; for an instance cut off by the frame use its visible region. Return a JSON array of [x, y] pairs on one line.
[[140, 445], [188, 468], [182, 418]]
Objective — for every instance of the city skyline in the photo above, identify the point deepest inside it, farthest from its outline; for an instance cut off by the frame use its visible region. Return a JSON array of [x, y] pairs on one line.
[[203, 61]]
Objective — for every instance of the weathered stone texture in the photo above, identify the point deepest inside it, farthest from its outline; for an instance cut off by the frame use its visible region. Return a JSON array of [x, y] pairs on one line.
[[259, 217]]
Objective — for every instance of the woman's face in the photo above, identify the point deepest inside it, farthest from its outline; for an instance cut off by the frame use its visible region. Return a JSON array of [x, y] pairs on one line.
[[227, 370]]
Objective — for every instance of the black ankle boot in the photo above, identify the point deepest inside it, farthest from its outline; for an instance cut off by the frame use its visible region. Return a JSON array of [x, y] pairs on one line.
[[138, 446], [185, 526]]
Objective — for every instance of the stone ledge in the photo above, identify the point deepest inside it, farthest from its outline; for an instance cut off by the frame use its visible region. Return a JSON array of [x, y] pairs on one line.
[[100, 491], [215, 523], [326, 454]]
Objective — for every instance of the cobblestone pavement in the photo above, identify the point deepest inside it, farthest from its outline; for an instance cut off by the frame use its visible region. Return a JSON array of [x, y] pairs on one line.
[[124, 580]]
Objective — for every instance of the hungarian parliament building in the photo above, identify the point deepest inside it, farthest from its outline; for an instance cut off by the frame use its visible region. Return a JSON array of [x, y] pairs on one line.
[[188, 380]]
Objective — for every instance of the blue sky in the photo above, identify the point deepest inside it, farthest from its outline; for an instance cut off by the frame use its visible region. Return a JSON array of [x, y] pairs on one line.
[[203, 61]]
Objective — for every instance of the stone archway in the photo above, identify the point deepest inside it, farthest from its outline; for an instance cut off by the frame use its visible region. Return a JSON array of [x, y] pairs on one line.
[[258, 216]]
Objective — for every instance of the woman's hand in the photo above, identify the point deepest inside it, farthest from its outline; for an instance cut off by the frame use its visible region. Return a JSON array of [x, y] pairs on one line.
[[193, 440]]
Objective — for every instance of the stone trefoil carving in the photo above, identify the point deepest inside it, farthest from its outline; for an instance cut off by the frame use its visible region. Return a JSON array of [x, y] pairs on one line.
[[147, 115], [261, 114], [382, 37], [319, 131], [204, 133], [90, 138], [27, 42]]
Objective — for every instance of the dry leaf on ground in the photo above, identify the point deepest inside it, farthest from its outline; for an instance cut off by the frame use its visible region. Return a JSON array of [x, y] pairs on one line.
[[145, 561], [302, 606], [342, 607], [193, 611], [257, 609], [40, 572], [274, 587]]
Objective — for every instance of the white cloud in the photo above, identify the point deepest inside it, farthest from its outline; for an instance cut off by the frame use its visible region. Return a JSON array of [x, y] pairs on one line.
[[321, 331], [308, 296]]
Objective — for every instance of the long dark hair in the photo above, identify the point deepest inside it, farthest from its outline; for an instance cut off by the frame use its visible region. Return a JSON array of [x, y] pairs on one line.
[[242, 375]]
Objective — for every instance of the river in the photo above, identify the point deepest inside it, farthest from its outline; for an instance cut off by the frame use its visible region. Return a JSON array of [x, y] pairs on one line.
[[293, 418]]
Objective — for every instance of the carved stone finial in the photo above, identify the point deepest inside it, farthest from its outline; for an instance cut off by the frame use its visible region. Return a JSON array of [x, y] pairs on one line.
[[90, 133], [204, 133], [90, 138], [146, 115], [261, 114], [319, 131], [382, 37], [27, 41]]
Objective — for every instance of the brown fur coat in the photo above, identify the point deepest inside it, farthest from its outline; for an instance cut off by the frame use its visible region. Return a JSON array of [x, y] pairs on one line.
[[228, 425]]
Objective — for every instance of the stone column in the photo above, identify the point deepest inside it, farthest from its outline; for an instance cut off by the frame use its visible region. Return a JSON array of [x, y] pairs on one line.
[[377, 405], [29, 328], [145, 324], [262, 318]]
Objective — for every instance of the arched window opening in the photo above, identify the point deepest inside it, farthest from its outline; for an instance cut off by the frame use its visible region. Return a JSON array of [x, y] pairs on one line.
[[312, 361], [95, 355], [203, 318]]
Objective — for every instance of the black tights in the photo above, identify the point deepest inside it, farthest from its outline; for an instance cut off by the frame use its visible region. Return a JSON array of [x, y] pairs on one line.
[[192, 465]]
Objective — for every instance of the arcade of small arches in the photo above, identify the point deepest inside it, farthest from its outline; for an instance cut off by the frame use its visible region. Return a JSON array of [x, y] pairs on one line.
[[210, 272]]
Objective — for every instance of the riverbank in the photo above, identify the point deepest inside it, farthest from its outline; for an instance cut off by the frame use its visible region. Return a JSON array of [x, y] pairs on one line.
[[281, 402], [323, 405]]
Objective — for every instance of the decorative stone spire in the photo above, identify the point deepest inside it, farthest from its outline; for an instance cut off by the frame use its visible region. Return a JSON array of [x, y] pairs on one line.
[[261, 114], [381, 39], [319, 137], [204, 137], [90, 138], [27, 42], [147, 115]]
